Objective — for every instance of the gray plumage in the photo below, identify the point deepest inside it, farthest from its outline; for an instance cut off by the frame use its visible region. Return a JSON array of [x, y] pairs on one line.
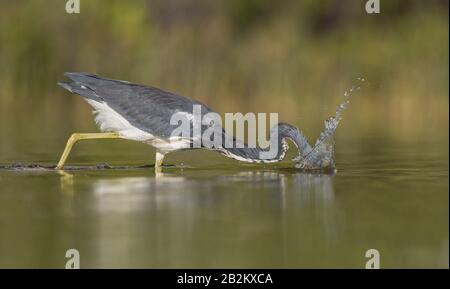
[[147, 108], [150, 109]]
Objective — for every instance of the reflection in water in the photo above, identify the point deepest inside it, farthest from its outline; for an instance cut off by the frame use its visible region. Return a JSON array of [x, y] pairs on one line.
[[314, 187], [294, 194], [104, 187], [181, 219], [66, 182]]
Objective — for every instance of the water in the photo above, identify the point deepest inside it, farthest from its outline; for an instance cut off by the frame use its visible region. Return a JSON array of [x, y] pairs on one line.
[[214, 212], [321, 155]]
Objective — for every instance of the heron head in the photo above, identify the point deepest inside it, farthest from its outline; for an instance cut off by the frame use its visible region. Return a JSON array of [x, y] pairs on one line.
[[318, 157], [321, 157]]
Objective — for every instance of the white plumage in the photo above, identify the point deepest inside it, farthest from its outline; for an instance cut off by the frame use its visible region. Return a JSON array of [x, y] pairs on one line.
[[108, 120]]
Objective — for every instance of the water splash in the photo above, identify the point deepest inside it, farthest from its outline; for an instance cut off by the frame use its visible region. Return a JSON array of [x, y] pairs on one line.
[[321, 155]]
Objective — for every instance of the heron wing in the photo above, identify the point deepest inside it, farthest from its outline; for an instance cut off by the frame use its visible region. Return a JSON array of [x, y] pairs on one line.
[[147, 108]]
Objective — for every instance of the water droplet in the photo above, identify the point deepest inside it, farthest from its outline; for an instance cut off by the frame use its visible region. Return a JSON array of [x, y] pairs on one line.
[[320, 148]]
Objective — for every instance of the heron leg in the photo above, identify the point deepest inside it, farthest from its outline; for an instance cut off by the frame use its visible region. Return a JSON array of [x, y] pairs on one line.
[[82, 136], [159, 161]]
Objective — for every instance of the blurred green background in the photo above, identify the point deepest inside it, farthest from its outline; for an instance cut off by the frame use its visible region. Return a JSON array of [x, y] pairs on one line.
[[291, 57]]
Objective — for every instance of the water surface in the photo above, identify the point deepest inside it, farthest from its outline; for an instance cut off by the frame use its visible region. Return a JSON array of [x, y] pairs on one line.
[[213, 212]]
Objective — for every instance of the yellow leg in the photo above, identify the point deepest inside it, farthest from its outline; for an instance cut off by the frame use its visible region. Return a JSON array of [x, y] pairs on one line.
[[158, 162], [82, 136]]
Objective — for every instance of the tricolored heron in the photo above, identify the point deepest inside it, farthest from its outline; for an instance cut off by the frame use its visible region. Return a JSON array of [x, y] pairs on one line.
[[142, 113]]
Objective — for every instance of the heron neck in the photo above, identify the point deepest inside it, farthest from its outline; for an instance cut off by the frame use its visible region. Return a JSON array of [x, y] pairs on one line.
[[276, 150]]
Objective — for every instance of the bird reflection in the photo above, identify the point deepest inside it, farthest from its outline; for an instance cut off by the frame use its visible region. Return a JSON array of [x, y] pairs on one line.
[[203, 210], [66, 181], [305, 189], [314, 187]]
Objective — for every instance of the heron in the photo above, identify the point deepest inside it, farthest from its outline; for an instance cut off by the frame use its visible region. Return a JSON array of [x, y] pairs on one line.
[[142, 113]]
